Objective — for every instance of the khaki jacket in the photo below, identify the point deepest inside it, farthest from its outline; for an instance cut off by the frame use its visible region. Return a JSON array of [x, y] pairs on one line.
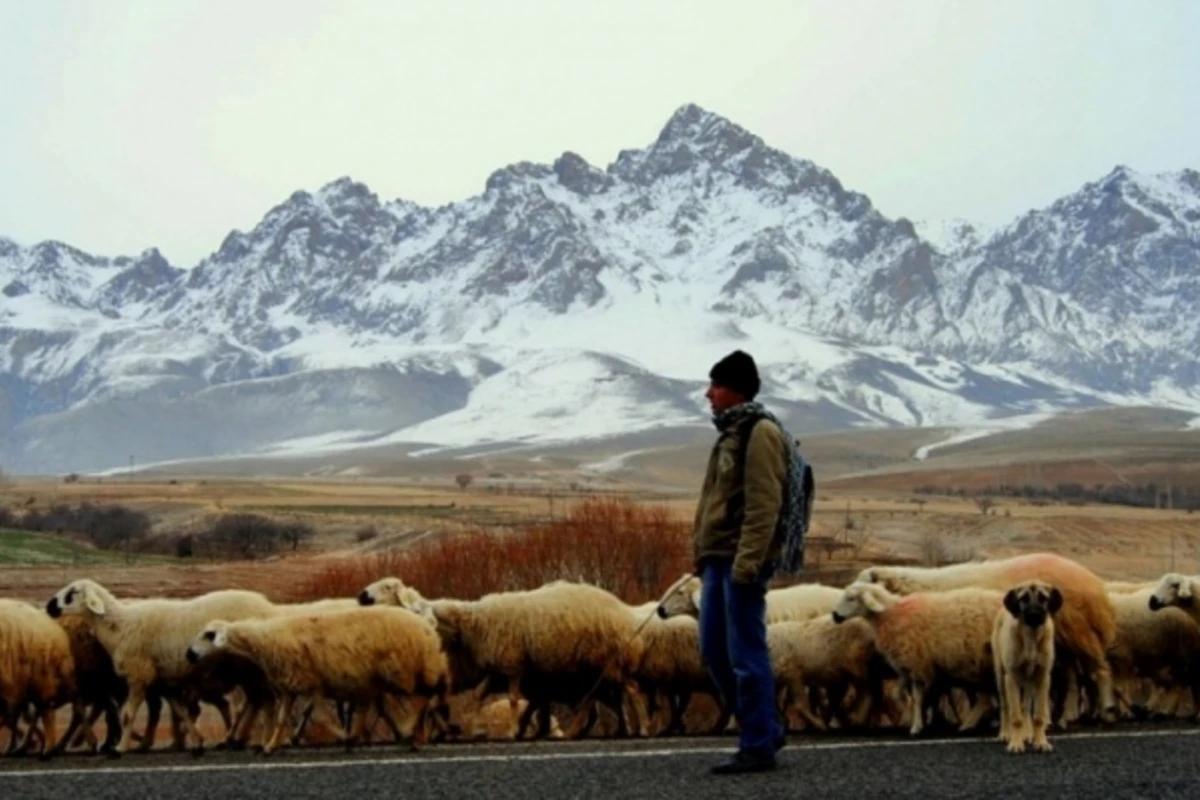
[[758, 489]]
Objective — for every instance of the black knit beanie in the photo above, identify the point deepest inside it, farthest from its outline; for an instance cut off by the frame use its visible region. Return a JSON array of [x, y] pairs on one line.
[[738, 372]]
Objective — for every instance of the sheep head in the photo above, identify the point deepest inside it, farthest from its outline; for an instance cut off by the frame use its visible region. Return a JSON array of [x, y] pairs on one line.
[[861, 600], [384, 592], [684, 600], [1173, 590], [214, 637], [78, 597]]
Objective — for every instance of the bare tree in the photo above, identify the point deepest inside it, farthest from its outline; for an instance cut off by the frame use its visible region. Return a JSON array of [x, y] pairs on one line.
[[985, 504], [463, 479]]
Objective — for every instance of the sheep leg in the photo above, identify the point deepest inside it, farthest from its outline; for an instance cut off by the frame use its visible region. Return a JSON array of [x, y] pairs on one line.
[[970, 720], [334, 723], [916, 703], [863, 703], [283, 715], [639, 708], [1016, 714], [543, 729], [129, 709], [12, 721], [420, 735], [382, 711], [153, 713], [32, 722], [677, 704], [77, 725], [802, 703], [305, 718], [181, 710], [835, 701]]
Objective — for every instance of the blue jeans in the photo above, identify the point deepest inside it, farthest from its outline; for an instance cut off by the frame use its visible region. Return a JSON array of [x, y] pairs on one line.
[[733, 644]]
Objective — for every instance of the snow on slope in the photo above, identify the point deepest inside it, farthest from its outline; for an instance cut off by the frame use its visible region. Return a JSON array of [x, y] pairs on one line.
[[568, 301], [982, 431]]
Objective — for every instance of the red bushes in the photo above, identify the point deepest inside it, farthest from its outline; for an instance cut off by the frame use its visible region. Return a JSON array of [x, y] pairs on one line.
[[634, 551]]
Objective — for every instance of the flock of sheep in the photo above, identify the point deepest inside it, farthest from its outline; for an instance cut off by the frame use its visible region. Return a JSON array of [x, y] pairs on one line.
[[1025, 642]]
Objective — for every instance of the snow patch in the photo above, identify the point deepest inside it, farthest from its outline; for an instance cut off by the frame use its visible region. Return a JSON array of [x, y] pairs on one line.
[[991, 428]]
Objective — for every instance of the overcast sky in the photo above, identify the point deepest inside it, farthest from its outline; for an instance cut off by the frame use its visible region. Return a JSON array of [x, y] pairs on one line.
[[125, 125]]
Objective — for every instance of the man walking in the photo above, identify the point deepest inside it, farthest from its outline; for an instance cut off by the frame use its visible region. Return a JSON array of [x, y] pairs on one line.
[[734, 544]]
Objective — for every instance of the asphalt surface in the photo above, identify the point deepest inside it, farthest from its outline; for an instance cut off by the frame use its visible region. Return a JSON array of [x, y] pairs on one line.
[[1154, 762]]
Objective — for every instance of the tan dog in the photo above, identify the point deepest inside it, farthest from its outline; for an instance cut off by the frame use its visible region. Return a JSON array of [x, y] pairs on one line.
[[1023, 651]]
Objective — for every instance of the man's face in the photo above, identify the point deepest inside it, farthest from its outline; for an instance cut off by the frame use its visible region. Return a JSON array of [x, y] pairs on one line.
[[721, 398]]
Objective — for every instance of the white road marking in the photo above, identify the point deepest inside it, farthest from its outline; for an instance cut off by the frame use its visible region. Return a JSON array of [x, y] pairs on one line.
[[419, 760]]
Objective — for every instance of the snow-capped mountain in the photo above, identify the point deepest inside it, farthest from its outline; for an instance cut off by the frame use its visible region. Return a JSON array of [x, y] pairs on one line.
[[567, 301]]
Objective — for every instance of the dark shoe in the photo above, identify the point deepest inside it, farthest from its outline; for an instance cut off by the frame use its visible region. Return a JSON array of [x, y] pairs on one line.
[[746, 761]]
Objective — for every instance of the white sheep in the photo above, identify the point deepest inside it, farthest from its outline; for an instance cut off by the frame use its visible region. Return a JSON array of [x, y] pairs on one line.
[[797, 603], [148, 640], [555, 642], [1023, 651], [823, 654], [671, 665], [357, 655], [37, 673], [929, 636]]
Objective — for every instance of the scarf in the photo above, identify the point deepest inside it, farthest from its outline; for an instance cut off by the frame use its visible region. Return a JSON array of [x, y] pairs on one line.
[[732, 416]]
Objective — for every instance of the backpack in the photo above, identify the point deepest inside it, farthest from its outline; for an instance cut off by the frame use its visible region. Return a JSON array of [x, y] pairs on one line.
[[795, 512]]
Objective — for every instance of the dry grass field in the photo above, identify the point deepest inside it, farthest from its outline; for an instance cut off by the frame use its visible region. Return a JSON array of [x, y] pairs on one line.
[[868, 506]]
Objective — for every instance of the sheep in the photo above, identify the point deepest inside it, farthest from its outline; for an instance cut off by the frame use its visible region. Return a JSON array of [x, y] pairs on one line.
[[796, 603], [356, 655], [103, 691], [823, 653], [1176, 590], [147, 640], [561, 640], [670, 663], [929, 635], [1023, 651], [1127, 587], [1159, 645], [37, 672], [1085, 625]]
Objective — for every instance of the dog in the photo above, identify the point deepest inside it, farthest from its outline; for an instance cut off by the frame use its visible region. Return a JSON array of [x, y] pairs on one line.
[[1023, 653]]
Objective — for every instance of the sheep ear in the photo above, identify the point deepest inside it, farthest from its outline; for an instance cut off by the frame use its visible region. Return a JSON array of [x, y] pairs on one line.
[[871, 601], [94, 603], [221, 639], [1056, 600], [1011, 604], [1185, 588]]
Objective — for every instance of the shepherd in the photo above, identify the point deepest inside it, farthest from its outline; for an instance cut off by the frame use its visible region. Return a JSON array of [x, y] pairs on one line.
[[736, 548]]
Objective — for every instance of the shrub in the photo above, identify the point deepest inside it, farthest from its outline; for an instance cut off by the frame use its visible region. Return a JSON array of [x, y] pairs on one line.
[[634, 551], [366, 534], [240, 535]]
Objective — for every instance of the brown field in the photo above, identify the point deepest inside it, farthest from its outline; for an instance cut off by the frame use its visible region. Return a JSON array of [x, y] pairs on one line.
[[867, 508]]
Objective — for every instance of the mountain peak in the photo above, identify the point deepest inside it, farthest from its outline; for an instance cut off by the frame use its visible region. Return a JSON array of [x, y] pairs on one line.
[[706, 132], [344, 189]]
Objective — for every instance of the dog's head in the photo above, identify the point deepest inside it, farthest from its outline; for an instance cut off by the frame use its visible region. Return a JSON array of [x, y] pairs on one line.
[[1032, 602]]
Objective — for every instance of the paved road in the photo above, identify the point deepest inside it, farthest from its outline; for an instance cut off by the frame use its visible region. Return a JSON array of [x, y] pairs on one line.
[[1157, 763]]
